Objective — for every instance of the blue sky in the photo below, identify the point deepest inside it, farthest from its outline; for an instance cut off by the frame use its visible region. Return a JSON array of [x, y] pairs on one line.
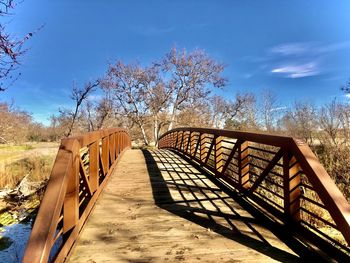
[[298, 49]]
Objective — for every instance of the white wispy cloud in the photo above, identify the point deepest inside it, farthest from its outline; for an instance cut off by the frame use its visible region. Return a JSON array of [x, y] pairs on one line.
[[298, 59], [298, 71], [291, 48], [307, 48]]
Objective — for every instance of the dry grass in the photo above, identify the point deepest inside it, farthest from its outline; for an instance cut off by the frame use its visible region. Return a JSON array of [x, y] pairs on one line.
[[17, 161]]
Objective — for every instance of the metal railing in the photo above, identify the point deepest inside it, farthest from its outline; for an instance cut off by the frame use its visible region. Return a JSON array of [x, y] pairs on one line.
[[280, 174], [81, 169]]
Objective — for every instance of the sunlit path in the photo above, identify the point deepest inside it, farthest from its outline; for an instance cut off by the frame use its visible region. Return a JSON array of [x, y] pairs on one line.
[[157, 208]]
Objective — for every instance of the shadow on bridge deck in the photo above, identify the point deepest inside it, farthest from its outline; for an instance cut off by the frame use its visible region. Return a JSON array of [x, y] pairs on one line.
[[189, 192], [160, 208]]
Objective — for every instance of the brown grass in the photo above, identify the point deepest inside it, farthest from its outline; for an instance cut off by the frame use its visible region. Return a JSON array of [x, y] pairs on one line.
[[18, 161], [37, 167]]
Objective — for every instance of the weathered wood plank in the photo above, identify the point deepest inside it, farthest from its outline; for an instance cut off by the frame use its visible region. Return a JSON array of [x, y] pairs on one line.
[[158, 208]]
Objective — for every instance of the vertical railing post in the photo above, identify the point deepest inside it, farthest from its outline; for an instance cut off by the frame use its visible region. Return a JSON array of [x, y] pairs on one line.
[[172, 140], [218, 154], [181, 140], [122, 142], [177, 139], [291, 185], [193, 145], [202, 145], [71, 200], [174, 136], [243, 164], [188, 143], [105, 154], [116, 145], [112, 147], [166, 140], [94, 165]]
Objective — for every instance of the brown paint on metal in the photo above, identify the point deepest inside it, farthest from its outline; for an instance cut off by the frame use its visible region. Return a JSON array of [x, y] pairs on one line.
[[243, 164], [38, 248], [203, 151], [332, 198], [280, 141], [291, 183], [71, 239], [93, 165], [62, 191], [71, 200], [112, 148], [218, 154], [105, 154]]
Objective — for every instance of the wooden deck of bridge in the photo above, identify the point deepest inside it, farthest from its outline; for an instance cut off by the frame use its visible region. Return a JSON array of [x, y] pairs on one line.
[[159, 208]]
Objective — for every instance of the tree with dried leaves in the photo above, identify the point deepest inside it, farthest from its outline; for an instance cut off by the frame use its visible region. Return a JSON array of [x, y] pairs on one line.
[[190, 77], [128, 85], [96, 112], [330, 120], [301, 121], [226, 112], [14, 124]]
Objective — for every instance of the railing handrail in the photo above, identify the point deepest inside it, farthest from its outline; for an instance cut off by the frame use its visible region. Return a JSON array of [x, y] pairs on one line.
[[275, 140], [188, 141], [62, 191]]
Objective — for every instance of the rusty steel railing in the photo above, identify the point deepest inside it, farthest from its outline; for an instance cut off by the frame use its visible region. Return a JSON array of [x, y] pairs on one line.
[[81, 169], [281, 174]]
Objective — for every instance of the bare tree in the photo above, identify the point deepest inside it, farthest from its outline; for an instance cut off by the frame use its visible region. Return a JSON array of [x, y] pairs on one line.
[[79, 95], [330, 121], [189, 77], [96, 112], [14, 123], [301, 121], [127, 85], [227, 112], [269, 110], [104, 109], [11, 49], [157, 98], [197, 114]]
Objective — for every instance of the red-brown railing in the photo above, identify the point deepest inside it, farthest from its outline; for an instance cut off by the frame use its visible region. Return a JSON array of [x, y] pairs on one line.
[[81, 169], [279, 173]]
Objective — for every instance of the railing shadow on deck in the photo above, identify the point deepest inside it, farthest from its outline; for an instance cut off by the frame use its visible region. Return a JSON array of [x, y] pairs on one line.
[[187, 180], [278, 173]]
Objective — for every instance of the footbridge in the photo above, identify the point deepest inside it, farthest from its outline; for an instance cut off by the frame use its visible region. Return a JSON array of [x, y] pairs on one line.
[[204, 195]]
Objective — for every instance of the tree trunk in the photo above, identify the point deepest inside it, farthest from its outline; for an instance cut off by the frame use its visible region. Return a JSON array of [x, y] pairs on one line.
[[144, 135], [157, 126], [72, 121], [155, 130], [172, 119]]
